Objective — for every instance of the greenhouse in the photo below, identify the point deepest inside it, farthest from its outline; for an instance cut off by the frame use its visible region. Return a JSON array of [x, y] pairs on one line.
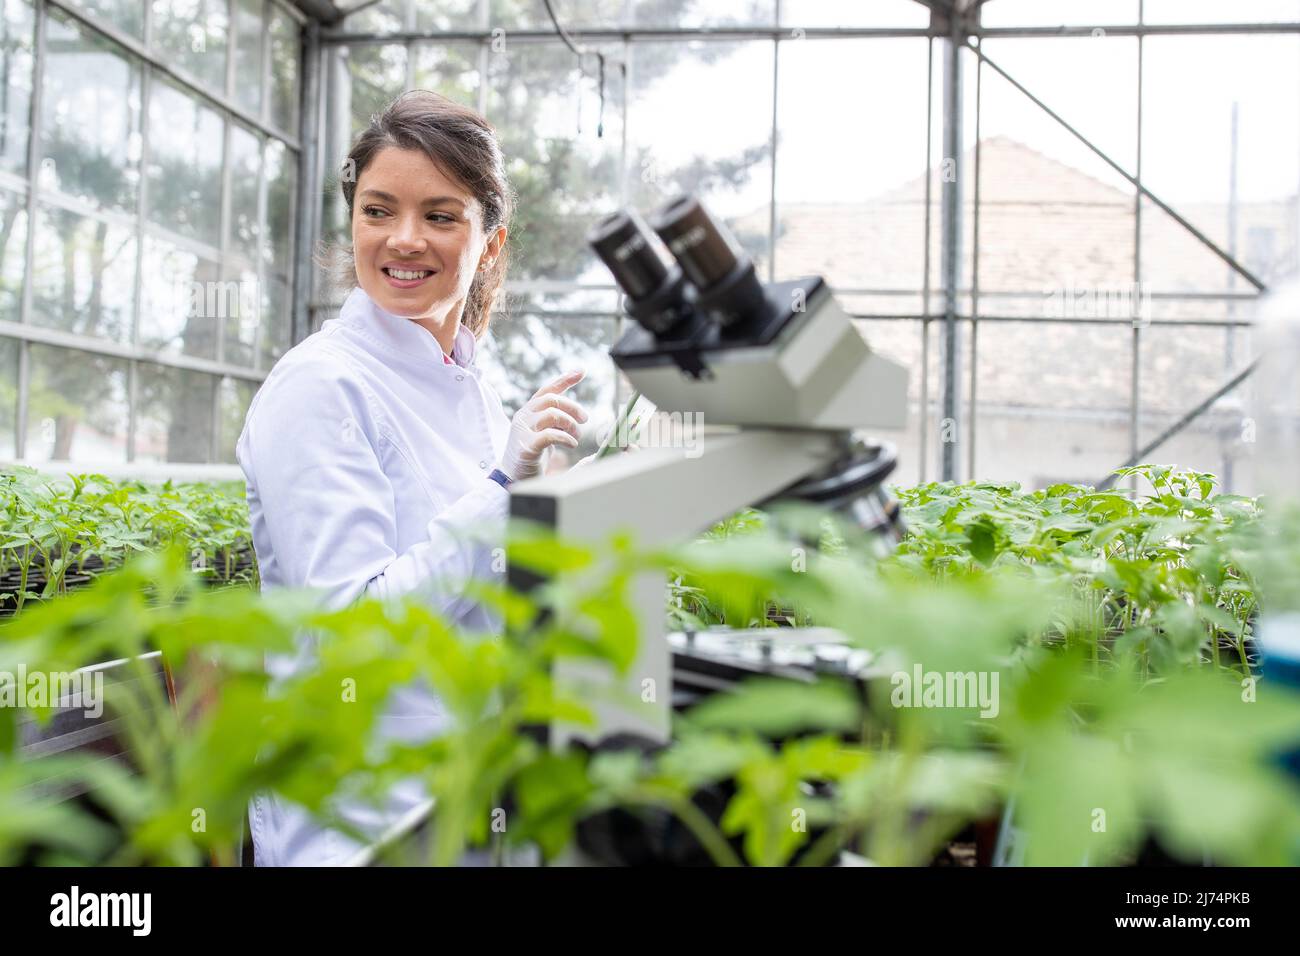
[[636, 433]]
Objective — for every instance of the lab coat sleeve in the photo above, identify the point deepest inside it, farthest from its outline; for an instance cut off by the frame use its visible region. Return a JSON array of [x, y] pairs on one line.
[[330, 510]]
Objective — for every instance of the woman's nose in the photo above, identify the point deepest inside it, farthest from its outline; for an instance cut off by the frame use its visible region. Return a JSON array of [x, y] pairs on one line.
[[406, 238]]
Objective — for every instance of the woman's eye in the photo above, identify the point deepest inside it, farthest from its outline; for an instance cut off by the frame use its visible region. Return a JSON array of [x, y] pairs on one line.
[[440, 217], [370, 209]]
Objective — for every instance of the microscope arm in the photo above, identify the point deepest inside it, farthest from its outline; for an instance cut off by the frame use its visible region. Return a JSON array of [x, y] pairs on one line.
[[662, 496]]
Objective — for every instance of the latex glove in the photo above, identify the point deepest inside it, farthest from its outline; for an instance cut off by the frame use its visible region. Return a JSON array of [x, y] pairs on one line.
[[548, 418]]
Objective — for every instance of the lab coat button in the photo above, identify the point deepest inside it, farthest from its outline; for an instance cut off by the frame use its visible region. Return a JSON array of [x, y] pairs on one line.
[[460, 378], [482, 464]]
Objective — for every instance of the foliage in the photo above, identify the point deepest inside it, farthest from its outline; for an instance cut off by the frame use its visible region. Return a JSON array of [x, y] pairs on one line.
[[51, 529], [1163, 578], [1118, 631]]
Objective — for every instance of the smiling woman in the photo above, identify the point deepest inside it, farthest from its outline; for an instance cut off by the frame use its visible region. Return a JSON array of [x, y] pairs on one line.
[[439, 224], [377, 456]]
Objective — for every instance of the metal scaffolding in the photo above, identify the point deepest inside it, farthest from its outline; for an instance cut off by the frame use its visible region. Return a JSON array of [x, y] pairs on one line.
[[956, 29], [954, 34]]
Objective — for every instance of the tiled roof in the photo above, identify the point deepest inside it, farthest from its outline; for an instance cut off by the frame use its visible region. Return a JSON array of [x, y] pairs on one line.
[[1061, 241]]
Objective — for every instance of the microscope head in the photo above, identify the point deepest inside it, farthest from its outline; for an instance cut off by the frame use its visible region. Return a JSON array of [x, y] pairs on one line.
[[712, 339]]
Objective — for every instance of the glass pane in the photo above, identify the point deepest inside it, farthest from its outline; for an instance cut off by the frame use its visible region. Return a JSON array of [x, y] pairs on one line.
[[173, 414], [76, 406], [8, 396], [90, 117], [366, 79], [184, 164], [241, 317], [1073, 425], [1181, 367], [285, 51], [192, 34], [854, 13], [126, 15], [677, 143], [1194, 86], [847, 209], [1054, 13], [183, 300], [1104, 109], [1175, 261], [13, 245], [1055, 220], [565, 177], [16, 65], [377, 74], [281, 181], [1216, 11], [245, 166], [450, 69], [236, 396], [578, 14], [446, 14], [276, 320], [387, 16], [83, 275], [248, 55]]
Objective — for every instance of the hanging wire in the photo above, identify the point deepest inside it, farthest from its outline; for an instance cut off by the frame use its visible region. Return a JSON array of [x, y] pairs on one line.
[[580, 52]]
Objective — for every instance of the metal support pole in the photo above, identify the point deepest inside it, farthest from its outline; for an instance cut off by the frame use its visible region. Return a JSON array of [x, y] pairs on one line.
[[309, 191], [923, 437], [950, 426], [1135, 371], [972, 408]]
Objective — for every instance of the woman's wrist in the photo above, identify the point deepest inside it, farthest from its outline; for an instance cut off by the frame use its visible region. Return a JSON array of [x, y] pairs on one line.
[[500, 477]]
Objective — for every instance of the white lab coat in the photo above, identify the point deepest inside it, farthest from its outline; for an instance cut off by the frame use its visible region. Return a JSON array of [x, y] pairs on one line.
[[366, 458]]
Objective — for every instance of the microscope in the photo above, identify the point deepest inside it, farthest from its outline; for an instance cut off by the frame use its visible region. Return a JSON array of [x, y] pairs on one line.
[[775, 382]]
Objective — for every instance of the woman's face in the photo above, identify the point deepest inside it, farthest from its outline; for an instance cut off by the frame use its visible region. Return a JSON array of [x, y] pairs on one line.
[[417, 236]]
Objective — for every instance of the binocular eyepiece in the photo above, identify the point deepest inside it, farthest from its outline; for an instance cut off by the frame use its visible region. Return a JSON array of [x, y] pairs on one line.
[[709, 273]]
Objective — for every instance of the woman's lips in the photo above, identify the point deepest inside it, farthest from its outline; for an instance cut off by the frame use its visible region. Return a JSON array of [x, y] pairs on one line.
[[407, 283]]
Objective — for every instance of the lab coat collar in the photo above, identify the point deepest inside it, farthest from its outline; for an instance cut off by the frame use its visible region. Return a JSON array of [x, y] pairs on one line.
[[401, 334]]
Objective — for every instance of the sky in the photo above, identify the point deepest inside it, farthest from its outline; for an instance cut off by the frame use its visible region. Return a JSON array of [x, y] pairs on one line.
[[852, 113]]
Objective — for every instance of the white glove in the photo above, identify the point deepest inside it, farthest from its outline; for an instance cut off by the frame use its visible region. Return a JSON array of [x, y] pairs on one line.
[[546, 419]]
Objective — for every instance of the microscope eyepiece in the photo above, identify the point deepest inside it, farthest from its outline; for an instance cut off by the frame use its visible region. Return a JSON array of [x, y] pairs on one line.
[[655, 289], [712, 260], [625, 244], [706, 251]]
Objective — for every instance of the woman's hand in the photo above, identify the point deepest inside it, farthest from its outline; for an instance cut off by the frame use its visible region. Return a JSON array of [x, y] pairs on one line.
[[548, 418]]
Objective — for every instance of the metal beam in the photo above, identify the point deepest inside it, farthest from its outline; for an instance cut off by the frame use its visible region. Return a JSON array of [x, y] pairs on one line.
[[1136, 30], [333, 37], [41, 335]]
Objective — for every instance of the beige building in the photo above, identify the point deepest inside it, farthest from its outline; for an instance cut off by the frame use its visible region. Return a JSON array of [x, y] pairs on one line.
[[1053, 399]]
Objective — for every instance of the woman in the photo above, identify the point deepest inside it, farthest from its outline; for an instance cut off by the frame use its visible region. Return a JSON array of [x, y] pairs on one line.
[[377, 456]]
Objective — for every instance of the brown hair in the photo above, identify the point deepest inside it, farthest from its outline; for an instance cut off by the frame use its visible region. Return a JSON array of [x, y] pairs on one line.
[[465, 147]]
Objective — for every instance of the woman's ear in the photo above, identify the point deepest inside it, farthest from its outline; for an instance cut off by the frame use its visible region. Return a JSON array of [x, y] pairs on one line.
[[492, 247]]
